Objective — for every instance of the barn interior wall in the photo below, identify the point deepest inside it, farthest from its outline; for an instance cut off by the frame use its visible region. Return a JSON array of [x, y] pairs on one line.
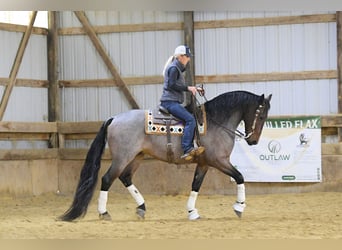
[[35, 177], [217, 51]]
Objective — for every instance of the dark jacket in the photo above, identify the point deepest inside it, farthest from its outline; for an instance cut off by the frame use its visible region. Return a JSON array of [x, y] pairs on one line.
[[174, 83]]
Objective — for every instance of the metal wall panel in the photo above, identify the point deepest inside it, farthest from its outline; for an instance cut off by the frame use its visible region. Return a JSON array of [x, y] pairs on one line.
[[135, 54], [274, 48], [25, 104]]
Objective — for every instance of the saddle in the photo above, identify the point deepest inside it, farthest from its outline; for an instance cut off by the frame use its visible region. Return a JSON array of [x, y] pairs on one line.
[[160, 122], [157, 120]]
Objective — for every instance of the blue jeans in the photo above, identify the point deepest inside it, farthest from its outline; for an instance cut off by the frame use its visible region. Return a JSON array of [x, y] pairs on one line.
[[181, 113]]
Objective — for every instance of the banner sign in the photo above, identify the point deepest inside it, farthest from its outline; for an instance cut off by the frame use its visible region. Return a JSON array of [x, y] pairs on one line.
[[289, 150]]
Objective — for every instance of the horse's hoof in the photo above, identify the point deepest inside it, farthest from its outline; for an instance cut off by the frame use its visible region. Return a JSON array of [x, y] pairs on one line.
[[239, 207], [193, 215], [141, 213], [105, 216], [239, 214]]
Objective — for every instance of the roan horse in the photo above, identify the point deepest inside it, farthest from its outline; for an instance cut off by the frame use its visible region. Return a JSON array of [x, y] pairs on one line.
[[128, 143]]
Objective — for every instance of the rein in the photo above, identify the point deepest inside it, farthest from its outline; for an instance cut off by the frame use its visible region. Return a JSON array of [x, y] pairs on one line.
[[236, 132]]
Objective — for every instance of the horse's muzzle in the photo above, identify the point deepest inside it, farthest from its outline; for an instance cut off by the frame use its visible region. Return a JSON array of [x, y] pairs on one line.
[[252, 142]]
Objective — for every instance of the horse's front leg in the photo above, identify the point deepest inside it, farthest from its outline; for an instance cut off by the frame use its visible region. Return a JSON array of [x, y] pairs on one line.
[[200, 173], [227, 168]]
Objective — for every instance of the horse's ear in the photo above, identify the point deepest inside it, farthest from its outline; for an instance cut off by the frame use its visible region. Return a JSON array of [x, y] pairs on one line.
[[269, 97], [261, 99]]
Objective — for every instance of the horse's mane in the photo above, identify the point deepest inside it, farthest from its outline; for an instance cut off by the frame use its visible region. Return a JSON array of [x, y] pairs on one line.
[[221, 107]]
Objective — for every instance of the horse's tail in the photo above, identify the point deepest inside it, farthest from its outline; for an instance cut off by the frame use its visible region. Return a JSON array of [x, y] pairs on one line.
[[88, 176]]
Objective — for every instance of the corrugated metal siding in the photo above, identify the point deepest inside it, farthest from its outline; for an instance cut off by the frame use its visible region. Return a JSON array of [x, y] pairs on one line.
[[25, 104], [134, 54], [276, 48]]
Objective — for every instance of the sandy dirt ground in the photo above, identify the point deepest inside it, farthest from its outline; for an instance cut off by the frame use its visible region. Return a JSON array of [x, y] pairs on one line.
[[273, 216]]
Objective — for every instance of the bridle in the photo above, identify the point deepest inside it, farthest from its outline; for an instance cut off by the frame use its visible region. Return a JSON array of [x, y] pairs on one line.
[[237, 132], [256, 116]]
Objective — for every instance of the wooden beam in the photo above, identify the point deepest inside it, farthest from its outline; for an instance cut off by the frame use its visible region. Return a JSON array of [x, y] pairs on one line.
[[28, 154], [110, 82], [22, 28], [32, 83], [229, 23], [265, 21], [54, 108], [16, 65], [137, 27], [189, 41], [254, 77], [28, 127], [101, 50], [339, 66], [272, 76], [78, 127]]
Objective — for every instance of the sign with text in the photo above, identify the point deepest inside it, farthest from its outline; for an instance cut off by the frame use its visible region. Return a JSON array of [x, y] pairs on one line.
[[289, 150]]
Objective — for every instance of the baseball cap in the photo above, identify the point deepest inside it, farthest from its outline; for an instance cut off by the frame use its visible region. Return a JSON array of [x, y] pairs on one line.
[[183, 50]]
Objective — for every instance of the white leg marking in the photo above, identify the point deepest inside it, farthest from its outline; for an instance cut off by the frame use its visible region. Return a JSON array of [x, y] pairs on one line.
[[241, 195], [192, 211], [239, 205], [139, 199], [102, 202]]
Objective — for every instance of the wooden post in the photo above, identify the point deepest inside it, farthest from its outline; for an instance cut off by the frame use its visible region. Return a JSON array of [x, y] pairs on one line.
[[53, 90], [101, 50], [189, 41], [339, 66], [16, 65], [52, 46]]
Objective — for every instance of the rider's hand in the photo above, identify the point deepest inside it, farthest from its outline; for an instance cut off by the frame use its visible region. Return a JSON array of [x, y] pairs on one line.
[[192, 89]]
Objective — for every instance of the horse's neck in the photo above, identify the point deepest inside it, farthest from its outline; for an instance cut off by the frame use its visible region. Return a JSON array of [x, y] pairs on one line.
[[235, 119]]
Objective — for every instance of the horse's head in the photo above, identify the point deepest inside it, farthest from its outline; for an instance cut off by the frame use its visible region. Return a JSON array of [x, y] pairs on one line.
[[255, 118]]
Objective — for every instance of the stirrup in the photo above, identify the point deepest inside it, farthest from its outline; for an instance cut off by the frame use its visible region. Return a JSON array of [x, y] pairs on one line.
[[199, 150], [189, 155]]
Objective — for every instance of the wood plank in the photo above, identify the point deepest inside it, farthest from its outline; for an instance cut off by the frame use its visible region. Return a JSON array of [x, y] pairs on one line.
[[16, 65], [22, 28], [138, 27], [101, 50], [332, 149], [331, 121], [28, 154], [328, 131], [272, 76], [33, 83], [257, 77], [110, 82], [54, 107], [78, 127], [15, 136], [79, 136], [251, 22], [189, 41], [28, 127], [79, 154], [339, 66]]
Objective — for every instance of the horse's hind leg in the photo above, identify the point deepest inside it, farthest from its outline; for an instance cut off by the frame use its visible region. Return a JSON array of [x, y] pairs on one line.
[[107, 180], [126, 179]]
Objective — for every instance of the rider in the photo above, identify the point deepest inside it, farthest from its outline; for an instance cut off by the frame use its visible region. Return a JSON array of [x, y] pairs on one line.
[[172, 98]]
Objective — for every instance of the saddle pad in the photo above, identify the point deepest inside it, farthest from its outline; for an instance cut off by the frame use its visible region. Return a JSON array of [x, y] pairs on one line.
[[158, 126]]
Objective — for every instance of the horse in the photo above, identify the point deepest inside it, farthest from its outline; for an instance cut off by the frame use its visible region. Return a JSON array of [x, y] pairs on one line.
[[128, 143]]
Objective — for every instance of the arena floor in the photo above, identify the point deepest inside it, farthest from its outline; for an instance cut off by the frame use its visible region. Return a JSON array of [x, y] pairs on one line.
[[273, 216]]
